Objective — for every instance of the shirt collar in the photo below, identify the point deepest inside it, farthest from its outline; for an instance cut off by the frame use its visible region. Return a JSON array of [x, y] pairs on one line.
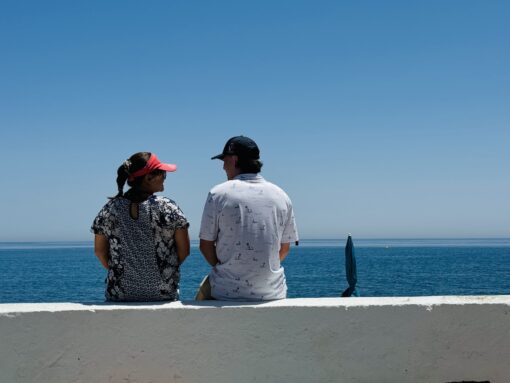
[[255, 177]]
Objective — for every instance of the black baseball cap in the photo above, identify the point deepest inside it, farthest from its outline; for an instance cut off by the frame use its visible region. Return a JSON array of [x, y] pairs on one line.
[[241, 146]]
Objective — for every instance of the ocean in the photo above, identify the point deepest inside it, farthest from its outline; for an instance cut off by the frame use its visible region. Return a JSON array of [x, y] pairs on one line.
[[69, 271]]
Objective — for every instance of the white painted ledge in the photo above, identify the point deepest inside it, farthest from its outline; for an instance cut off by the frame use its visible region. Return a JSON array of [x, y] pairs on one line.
[[401, 339], [12, 308]]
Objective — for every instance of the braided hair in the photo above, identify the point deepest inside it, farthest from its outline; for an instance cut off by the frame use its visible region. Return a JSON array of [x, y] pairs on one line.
[[134, 163]]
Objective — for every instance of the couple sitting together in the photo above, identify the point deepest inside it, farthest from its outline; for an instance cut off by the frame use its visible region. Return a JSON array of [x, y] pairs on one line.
[[246, 230]]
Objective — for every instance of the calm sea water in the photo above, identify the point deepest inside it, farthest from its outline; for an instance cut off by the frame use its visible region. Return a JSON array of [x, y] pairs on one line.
[[69, 272]]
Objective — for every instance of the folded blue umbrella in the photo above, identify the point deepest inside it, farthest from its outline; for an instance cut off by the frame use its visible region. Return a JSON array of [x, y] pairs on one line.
[[351, 272]]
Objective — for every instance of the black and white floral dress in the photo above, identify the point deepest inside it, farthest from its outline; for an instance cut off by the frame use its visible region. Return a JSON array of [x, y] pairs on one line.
[[143, 263]]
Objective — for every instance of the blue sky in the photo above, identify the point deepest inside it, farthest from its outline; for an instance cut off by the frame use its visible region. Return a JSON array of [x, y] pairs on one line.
[[382, 119]]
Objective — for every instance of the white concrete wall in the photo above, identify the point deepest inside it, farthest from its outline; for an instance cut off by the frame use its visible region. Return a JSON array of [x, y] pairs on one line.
[[423, 339]]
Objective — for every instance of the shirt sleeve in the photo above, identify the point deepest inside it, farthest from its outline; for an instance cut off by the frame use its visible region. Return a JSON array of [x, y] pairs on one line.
[[290, 233], [174, 217], [103, 222], [209, 224]]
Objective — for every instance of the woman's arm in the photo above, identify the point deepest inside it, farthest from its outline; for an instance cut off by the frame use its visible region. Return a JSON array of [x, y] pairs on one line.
[[102, 249], [208, 249], [182, 244]]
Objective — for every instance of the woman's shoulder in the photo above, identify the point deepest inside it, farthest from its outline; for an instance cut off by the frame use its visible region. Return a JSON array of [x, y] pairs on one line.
[[166, 209], [112, 206], [163, 201], [114, 202]]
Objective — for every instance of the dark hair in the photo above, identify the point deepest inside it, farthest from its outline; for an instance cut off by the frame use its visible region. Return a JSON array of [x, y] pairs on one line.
[[134, 163], [249, 165]]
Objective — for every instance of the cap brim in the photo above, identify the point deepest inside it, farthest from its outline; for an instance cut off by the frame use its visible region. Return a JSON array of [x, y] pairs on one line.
[[167, 167], [218, 157]]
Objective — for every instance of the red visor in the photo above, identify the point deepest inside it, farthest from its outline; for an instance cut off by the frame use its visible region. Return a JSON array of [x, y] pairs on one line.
[[152, 164]]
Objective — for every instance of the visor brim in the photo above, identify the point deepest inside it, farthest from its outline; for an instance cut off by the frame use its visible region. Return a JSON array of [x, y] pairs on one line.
[[167, 167]]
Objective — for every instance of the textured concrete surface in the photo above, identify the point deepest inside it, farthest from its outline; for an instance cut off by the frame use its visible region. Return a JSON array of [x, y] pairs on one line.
[[420, 339]]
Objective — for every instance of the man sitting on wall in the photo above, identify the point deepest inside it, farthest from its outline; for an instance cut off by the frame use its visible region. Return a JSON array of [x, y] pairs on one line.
[[247, 227]]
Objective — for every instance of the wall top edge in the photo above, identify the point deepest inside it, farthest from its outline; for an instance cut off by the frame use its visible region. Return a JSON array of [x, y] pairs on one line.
[[13, 308]]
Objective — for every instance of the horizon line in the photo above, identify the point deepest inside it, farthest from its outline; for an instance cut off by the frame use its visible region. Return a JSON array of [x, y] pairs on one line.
[[300, 240]]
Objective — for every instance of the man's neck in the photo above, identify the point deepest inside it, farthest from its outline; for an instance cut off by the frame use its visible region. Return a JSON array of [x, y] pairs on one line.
[[233, 174]]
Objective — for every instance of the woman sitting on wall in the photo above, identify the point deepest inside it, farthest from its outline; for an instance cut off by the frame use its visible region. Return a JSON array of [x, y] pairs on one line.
[[141, 238]]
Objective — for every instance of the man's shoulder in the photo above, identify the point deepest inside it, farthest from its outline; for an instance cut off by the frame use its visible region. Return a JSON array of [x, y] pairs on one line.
[[236, 185], [275, 188], [221, 188], [228, 187]]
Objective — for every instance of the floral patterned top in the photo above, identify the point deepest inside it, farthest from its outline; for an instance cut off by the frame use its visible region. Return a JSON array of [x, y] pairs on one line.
[[143, 263]]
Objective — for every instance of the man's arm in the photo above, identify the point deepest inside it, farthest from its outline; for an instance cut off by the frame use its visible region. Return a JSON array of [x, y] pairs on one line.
[[102, 249], [284, 250], [182, 241], [208, 250]]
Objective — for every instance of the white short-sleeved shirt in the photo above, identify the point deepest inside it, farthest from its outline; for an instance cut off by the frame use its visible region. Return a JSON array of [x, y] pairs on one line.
[[249, 218]]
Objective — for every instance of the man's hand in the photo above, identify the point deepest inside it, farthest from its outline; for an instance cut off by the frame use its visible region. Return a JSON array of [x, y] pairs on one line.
[[208, 250]]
